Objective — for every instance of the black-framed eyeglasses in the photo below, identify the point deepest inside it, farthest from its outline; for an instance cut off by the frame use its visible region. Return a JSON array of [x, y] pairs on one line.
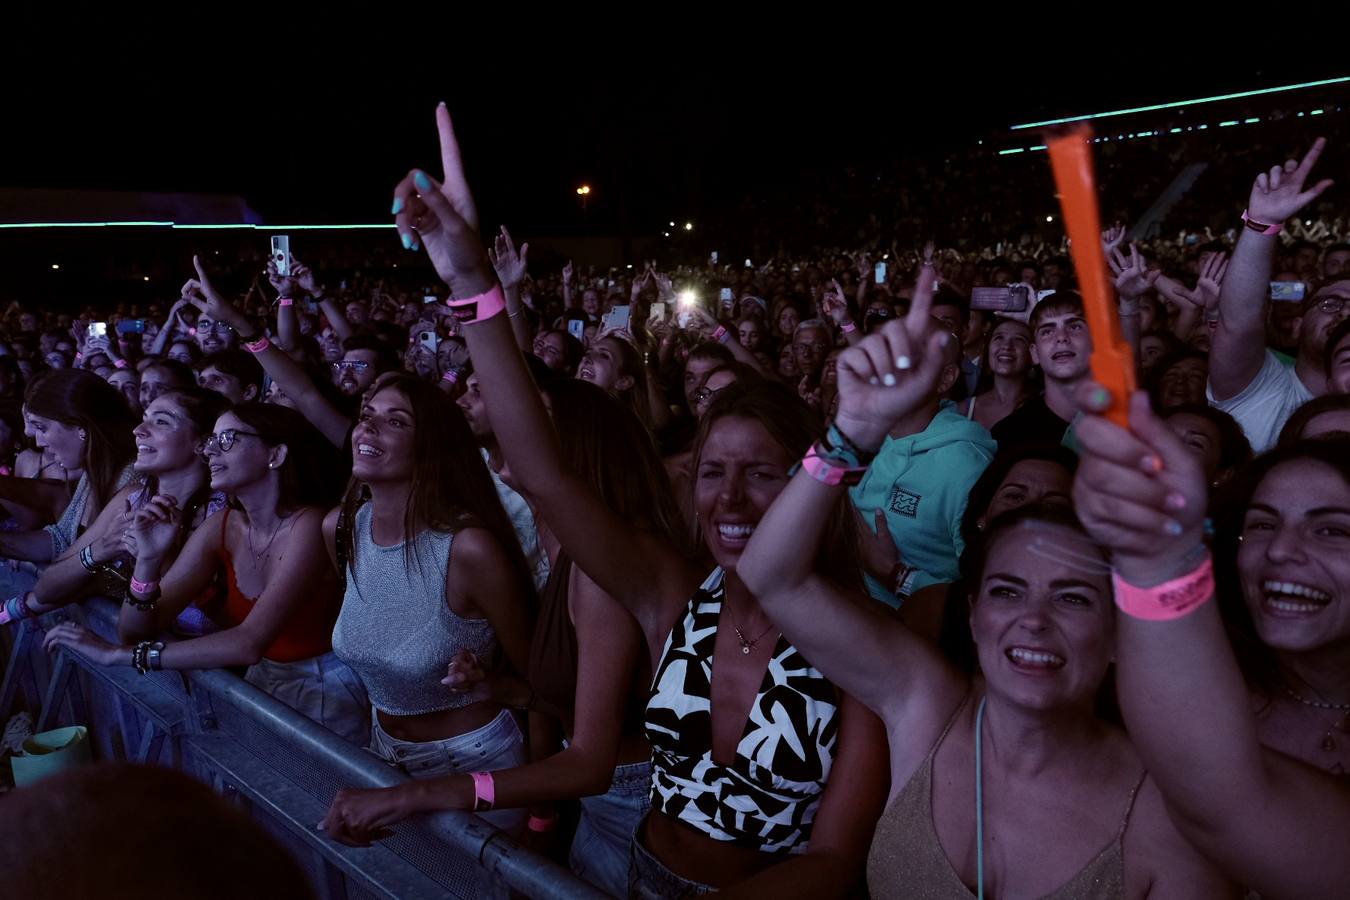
[[224, 440], [206, 325], [358, 365], [1332, 305]]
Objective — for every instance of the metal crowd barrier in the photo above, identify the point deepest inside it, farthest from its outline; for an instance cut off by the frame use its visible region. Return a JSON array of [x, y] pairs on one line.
[[279, 766]]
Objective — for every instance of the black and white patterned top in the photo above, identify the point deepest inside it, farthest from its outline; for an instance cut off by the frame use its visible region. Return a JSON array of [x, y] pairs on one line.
[[767, 797]]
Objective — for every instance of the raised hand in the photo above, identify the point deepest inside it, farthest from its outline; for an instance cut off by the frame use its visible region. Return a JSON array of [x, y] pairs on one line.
[[1133, 277], [1206, 293], [1140, 493], [442, 216], [833, 303], [1112, 238], [509, 263], [567, 273], [891, 372], [155, 527], [284, 285], [1278, 194], [304, 277], [201, 292]]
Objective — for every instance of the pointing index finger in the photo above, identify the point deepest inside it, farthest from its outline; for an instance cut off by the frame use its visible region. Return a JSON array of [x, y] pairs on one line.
[[455, 184]]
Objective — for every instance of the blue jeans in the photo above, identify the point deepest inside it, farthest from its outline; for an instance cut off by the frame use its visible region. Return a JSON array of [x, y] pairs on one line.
[[322, 688], [649, 879], [606, 828], [497, 745]]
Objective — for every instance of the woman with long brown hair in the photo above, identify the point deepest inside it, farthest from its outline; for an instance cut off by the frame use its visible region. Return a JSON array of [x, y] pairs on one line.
[[432, 568], [84, 422]]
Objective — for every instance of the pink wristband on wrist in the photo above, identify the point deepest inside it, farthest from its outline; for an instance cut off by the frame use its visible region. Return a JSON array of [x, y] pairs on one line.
[[284, 301], [1260, 227], [484, 791], [257, 346], [484, 306], [119, 364], [143, 587], [828, 472], [720, 335], [1169, 600], [848, 328]]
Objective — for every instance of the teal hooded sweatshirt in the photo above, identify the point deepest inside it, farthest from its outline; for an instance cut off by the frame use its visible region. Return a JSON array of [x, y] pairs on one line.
[[923, 481]]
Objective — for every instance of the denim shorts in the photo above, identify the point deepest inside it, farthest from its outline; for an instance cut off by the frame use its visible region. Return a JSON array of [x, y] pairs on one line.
[[606, 828], [649, 879], [497, 745], [322, 688]]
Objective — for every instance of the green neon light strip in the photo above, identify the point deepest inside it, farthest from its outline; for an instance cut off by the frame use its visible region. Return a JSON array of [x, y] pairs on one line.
[[1010, 152], [1178, 103], [176, 225]]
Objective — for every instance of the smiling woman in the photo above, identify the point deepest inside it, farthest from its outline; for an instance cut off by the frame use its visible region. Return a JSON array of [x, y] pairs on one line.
[[1292, 626]]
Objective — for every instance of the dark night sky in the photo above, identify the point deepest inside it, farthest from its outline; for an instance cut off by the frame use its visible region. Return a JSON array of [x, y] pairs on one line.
[[318, 130]]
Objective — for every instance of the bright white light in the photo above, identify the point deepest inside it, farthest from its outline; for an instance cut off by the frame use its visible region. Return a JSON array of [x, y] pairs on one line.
[[55, 266], [688, 298], [688, 226], [1049, 218]]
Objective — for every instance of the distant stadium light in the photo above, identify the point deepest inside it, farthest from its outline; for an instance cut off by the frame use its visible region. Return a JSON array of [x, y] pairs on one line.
[[1179, 103]]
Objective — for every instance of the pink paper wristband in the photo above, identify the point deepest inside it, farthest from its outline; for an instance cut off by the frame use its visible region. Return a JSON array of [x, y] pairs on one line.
[[484, 791], [257, 346], [1260, 227], [828, 472], [285, 301], [1169, 600], [484, 306], [143, 587]]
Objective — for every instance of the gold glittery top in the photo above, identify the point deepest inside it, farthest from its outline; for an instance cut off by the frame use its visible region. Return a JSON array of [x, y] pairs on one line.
[[907, 859]]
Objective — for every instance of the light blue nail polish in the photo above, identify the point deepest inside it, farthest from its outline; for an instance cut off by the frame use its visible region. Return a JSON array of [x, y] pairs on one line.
[[903, 362], [407, 242], [1174, 528], [874, 381], [398, 206], [415, 245], [1101, 397], [422, 181], [888, 380]]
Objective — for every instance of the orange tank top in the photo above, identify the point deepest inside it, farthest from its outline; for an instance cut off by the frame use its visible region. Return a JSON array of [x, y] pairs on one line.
[[309, 630]]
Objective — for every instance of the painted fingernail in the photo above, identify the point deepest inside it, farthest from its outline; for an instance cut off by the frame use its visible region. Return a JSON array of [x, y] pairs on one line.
[[407, 241], [903, 362], [422, 181], [415, 245], [1151, 463], [1176, 501], [1174, 528], [888, 379], [1101, 397], [398, 206], [874, 381]]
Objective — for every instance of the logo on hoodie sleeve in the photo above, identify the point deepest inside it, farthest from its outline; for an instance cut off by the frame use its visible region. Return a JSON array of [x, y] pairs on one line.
[[904, 503]]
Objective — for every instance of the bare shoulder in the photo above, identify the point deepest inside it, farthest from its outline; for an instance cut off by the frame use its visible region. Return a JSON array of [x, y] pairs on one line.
[[474, 546]]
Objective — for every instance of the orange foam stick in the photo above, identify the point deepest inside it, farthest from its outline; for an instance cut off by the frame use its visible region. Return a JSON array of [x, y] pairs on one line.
[[1112, 356]]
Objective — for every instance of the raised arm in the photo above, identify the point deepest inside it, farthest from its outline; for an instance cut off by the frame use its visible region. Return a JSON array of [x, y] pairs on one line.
[[852, 639], [1273, 823], [286, 372], [169, 329], [1239, 343], [1133, 281], [640, 571], [511, 269]]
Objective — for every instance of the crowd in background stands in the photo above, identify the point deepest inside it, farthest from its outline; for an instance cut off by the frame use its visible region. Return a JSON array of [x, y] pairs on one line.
[[504, 530]]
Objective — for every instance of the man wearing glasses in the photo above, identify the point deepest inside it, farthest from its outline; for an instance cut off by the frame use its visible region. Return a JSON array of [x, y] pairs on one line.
[[213, 336], [1247, 380]]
